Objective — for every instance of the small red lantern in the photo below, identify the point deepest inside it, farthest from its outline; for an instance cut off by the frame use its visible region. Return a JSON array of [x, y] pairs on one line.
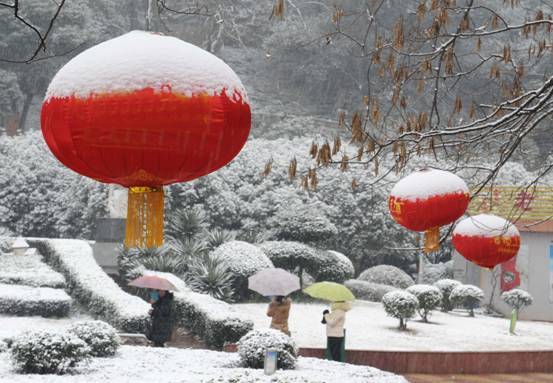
[[145, 110], [486, 240], [427, 199]]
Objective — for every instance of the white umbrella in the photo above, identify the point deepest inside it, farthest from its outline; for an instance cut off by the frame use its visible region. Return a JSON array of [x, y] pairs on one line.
[[273, 282]]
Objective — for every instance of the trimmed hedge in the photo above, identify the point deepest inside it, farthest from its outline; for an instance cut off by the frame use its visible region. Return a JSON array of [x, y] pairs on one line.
[[91, 286], [252, 347], [368, 291], [26, 301], [210, 319], [387, 275], [29, 270]]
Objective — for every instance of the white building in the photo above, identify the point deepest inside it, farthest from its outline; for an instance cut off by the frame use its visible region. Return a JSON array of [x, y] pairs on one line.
[[532, 270]]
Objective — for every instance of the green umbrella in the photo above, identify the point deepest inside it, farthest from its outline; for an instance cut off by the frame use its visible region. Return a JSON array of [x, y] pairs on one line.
[[330, 291]]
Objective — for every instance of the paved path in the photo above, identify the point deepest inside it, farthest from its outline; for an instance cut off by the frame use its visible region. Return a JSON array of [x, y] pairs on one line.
[[486, 378]]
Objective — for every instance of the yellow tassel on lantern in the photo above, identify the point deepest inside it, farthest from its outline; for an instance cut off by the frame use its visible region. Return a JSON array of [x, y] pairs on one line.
[[432, 240], [144, 227]]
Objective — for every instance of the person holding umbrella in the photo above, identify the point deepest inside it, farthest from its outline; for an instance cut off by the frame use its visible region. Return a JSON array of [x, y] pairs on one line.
[[279, 310], [334, 319], [276, 283], [161, 299]]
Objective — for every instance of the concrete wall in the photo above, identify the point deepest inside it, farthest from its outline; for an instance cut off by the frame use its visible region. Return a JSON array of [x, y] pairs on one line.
[[532, 261]]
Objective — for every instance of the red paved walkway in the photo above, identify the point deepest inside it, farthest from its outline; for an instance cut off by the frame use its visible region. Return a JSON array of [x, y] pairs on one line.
[[485, 378]]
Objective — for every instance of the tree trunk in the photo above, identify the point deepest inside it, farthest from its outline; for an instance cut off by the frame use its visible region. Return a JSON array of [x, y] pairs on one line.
[[300, 272], [401, 324], [25, 112]]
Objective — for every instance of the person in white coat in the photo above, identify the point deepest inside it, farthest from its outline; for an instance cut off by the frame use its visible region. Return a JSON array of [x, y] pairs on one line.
[[335, 322]]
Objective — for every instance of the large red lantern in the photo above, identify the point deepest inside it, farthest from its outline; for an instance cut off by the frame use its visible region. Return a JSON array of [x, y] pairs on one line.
[[427, 199], [145, 110], [486, 240]]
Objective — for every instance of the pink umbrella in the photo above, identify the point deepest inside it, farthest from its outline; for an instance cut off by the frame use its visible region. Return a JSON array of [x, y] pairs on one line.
[[153, 282]]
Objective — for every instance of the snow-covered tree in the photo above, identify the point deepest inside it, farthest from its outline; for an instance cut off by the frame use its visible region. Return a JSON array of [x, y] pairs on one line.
[[401, 305], [517, 298], [467, 296], [446, 286], [430, 297]]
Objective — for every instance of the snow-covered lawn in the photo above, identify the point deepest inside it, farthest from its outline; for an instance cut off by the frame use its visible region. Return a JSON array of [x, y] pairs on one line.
[[369, 328], [146, 364], [11, 326]]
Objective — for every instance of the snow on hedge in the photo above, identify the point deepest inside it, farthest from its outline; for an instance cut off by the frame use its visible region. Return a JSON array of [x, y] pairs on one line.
[[401, 305], [26, 300], [387, 275], [429, 297], [418, 184], [335, 267], [146, 364], [253, 346], [139, 60], [214, 321], [243, 260], [91, 286], [467, 296], [29, 270], [486, 225], [368, 291], [446, 286]]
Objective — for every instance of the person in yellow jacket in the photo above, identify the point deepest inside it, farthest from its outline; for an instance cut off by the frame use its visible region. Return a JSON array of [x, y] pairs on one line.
[[279, 310], [335, 333]]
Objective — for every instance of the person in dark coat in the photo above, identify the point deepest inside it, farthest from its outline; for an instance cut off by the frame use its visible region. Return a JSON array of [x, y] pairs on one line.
[[162, 323]]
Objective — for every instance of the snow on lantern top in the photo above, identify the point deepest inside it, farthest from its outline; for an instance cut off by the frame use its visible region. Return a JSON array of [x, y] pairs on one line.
[[139, 60], [426, 183], [486, 225]]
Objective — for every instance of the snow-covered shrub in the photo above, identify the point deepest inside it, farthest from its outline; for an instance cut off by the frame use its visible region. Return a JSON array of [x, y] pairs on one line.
[[433, 272], [517, 298], [26, 301], [29, 270], [6, 240], [429, 298], [293, 256], [91, 286], [243, 260], [3, 346], [387, 275], [446, 286], [467, 296], [368, 291], [335, 267], [99, 336], [252, 347], [46, 352], [210, 319], [401, 305], [210, 275]]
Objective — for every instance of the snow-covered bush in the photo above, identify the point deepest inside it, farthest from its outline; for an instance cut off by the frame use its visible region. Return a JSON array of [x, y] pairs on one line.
[[44, 352], [6, 240], [335, 267], [446, 286], [517, 298], [91, 286], [3, 346], [243, 260], [99, 336], [26, 301], [467, 296], [293, 256], [252, 347], [433, 272], [387, 275], [29, 270], [368, 291], [41, 197], [429, 297], [210, 319], [401, 305]]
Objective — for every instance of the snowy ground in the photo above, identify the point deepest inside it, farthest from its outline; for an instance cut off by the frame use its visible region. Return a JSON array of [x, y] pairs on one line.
[[146, 364], [369, 328], [10, 326]]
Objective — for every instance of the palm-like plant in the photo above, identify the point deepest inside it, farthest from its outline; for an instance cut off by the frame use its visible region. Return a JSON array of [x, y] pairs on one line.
[[185, 223], [216, 237], [210, 275]]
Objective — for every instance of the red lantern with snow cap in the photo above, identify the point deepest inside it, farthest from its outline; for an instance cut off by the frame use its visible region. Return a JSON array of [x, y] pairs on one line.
[[486, 240], [145, 110], [427, 199]]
